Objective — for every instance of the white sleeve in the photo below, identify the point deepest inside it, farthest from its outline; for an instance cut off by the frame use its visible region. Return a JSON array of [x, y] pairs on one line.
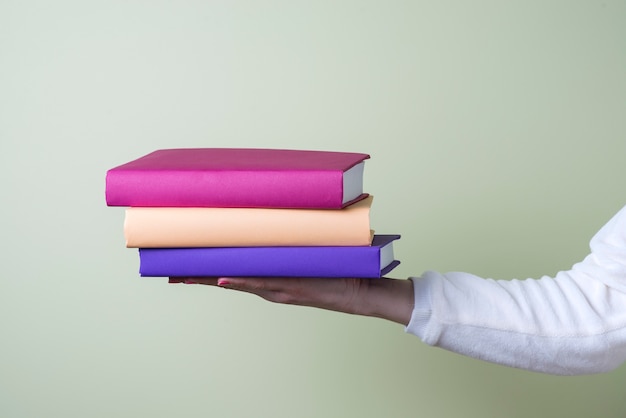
[[573, 323]]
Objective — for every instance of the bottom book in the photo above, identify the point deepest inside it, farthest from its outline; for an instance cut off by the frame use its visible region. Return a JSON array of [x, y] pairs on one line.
[[371, 261]]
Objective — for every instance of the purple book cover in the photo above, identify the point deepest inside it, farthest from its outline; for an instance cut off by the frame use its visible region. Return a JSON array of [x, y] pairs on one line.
[[238, 177], [353, 261]]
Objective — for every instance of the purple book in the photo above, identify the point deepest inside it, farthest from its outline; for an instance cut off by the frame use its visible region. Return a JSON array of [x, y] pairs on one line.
[[347, 261]]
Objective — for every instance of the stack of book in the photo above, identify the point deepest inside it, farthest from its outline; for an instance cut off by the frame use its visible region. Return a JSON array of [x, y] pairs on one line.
[[219, 212]]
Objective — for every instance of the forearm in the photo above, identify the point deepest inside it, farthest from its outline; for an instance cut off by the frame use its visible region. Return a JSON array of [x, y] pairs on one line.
[[573, 323], [551, 325]]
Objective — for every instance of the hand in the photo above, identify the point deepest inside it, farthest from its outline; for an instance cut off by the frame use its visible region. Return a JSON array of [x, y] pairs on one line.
[[390, 299]]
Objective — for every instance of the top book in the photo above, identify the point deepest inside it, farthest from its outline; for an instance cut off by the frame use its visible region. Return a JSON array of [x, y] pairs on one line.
[[238, 177]]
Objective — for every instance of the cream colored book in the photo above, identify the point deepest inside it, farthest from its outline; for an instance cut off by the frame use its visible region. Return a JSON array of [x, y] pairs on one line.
[[168, 227]]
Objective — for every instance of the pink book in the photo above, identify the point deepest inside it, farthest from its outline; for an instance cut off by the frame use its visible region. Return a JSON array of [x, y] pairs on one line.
[[238, 177]]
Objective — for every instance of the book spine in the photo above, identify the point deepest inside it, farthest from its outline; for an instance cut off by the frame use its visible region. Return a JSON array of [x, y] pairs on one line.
[[363, 261], [279, 189], [243, 227]]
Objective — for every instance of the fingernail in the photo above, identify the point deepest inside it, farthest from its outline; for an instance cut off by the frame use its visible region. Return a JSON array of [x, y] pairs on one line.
[[190, 281], [222, 282]]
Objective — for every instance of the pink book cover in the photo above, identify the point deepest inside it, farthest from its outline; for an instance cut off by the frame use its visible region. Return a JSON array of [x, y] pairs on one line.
[[238, 177]]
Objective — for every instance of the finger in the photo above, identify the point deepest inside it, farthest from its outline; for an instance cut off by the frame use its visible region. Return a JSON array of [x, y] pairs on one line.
[[290, 290], [211, 281], [274, 289]]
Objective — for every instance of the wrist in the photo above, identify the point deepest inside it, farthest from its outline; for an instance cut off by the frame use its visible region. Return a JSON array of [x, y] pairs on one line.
[[390, 299]]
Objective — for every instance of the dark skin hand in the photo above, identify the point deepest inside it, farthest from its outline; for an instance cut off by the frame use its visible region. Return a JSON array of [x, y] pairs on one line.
[[386, 298]]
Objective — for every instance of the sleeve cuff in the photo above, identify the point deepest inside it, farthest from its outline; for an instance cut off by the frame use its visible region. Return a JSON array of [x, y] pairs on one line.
[[422, 308]]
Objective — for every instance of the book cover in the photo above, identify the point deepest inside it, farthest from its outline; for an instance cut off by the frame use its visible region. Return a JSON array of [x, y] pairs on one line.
[[238, 177], [248, 227], [371, 261]]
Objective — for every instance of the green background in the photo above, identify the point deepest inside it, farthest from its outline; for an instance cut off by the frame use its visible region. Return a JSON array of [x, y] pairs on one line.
[[497, 135]]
